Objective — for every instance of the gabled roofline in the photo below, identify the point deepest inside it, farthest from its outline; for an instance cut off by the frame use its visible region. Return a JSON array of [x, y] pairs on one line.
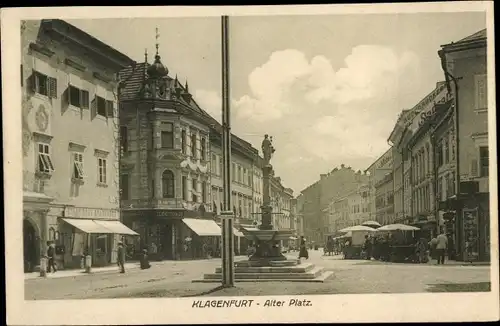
[[72, 33]]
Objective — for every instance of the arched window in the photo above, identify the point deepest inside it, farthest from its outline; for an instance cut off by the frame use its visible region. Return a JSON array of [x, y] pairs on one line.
[[168, 184]]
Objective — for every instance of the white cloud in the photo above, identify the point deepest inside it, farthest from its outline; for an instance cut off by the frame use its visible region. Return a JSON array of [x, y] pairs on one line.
[[322, 116], [210, 101]]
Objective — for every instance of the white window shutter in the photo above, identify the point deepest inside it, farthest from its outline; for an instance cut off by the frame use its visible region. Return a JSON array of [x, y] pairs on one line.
[[481, 90], [474, 168]]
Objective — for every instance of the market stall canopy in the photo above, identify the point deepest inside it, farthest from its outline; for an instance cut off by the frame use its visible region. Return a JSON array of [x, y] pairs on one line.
[[99, 226], [357, 228], [371, 224], [203, 228], [398, 227], [347, 235]]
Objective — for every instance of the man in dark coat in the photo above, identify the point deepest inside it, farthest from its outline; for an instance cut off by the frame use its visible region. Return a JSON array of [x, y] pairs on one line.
[[303, 250], [51, 255], [121, 257]]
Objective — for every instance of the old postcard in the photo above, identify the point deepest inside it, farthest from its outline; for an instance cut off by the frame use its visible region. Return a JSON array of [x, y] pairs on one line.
[[290, 164]]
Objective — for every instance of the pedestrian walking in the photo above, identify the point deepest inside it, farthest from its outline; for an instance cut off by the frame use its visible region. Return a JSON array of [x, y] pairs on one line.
[[441, 245], [51, 255], [145, 260], [432, 248], [421, 251], [368, 247], [303, 249], [121, 257]]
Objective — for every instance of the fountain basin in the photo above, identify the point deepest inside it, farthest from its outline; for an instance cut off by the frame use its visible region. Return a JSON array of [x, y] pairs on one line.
[[266, 235]]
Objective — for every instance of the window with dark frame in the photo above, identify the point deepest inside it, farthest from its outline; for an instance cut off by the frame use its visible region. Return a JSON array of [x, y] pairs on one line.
[[167, 139], [194, 191], [203, 149], [167, 135], [183, 141], [484, 164], [102, 170], [44, 161], [440, 154], [204, 192], [124, 186], [168, 184], [153, 188], [193, 146], [101, 106], [44, 85], [184, 188]]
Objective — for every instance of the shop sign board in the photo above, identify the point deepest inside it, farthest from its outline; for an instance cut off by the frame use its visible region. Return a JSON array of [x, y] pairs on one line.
[[471, 233]]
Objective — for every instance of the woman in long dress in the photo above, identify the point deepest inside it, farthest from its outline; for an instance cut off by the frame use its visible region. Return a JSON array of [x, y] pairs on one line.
[[303, 250]]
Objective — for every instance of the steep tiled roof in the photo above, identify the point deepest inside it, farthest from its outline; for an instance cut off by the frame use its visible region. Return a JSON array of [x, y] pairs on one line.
[[476, 36], [73, 33], [133, 78]]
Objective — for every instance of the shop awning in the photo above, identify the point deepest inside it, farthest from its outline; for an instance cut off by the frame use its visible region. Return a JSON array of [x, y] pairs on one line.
[[203, 228], [86, 226], [116, 227], [100, 227]]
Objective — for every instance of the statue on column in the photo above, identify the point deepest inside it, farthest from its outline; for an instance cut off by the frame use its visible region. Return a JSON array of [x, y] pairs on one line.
[[267, 149]]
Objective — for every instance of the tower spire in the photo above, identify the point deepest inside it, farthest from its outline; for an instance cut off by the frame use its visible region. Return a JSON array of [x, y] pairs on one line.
[[186, 87], [146, 55], [157, 37]]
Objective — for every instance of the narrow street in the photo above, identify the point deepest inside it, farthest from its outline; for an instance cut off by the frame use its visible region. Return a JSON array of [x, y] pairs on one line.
[[173, 279]]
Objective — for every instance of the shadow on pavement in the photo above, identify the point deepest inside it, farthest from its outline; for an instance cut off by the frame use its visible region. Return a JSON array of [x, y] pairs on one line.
[[460, 287], [218, 288]]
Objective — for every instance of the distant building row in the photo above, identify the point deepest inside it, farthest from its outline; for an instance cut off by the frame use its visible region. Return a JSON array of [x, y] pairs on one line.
[[436, 174], [442, 139]]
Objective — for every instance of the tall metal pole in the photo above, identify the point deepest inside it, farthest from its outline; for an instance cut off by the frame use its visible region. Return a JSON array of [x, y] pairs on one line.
[[227, 214]]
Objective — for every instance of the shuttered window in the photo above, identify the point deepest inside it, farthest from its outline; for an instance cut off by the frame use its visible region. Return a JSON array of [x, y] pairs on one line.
[[481, 89]]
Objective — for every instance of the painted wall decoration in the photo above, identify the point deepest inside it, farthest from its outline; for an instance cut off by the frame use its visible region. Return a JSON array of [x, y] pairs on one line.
[[42, 118], [27, 106]]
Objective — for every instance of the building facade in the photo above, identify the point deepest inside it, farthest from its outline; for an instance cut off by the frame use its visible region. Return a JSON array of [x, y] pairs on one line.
[[308, 204], [165, 175], [338, 213], [70, 144], [358, 205], [468, 212], [171, 168], [381, 188], [318, 197]]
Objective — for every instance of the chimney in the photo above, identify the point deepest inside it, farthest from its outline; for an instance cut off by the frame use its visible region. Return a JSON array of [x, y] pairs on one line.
[[323, 176]]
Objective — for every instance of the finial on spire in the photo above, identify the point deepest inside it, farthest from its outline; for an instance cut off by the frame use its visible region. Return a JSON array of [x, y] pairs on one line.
[[146, 55], [186, 87], [157, 37]]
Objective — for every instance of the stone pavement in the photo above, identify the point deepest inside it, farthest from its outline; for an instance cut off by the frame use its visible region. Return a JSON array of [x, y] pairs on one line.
[[174, 279], [107, 269]]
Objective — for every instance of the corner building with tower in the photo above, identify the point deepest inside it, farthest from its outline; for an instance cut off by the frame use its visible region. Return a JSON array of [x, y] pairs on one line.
[[170, 168]]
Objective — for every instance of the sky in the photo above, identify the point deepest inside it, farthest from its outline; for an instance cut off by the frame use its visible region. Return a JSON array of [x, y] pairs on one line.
[[327, 88]]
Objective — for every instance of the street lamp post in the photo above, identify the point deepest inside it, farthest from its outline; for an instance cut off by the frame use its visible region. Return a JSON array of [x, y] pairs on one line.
[[227, 214]]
